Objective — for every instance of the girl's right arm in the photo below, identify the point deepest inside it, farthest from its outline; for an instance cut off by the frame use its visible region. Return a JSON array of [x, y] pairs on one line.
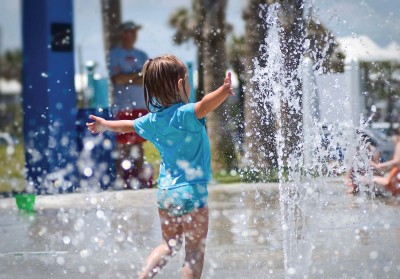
[[100, 125], [212, 100]]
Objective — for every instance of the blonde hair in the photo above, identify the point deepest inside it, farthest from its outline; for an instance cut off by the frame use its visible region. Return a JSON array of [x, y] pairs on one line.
[[160, 80]]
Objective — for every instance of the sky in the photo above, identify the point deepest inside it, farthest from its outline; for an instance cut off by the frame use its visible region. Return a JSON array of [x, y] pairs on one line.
[[376, 21]]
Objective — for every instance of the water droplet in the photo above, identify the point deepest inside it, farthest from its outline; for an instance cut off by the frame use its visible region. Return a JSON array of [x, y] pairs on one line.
[[93, 200], [88, 171], [60, 260], [126, 164], [373, 255], [100, 214], [172, 242], [84, 253], [66, 240], [89, 145], [82, 269]]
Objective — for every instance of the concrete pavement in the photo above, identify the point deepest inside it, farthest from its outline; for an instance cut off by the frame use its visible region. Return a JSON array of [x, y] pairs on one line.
[[109, 234]]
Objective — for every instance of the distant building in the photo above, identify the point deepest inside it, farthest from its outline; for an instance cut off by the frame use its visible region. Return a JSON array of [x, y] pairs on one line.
[[10, 92]]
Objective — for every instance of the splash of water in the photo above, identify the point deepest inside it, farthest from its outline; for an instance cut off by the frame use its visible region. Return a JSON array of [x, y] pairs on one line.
[[302, 174]]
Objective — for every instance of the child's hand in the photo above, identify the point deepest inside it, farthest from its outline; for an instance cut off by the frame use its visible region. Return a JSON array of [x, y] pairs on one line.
[[374, 165], [98, 126], [228, 84]]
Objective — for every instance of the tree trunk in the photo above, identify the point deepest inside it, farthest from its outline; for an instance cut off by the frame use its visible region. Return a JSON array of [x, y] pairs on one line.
[[260, 128], [214, 73], [111, 14], [293, 25], [111, 17]]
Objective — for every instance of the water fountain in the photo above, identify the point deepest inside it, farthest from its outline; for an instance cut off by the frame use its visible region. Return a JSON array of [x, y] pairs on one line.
[[312, 230], [302, 176]]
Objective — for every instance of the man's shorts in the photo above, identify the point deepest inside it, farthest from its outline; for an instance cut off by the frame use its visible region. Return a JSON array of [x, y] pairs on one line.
[[130, 138], [183, 199]]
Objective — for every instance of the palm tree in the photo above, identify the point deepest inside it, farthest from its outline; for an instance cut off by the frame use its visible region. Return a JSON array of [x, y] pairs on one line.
[[111, 14]]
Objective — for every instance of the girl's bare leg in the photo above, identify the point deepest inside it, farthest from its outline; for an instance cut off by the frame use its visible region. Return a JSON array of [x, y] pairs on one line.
[[195, 227], [172, 233]]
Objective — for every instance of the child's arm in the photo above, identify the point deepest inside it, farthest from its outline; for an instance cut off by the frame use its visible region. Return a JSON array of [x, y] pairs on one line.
[[212, 100], [100, 125], [391, 163]]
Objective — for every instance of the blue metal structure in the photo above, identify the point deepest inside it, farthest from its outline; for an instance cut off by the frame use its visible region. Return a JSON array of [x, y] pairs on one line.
[[49, 98]]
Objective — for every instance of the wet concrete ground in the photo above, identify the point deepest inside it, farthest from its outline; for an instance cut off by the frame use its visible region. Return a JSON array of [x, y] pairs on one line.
[[109, 234]]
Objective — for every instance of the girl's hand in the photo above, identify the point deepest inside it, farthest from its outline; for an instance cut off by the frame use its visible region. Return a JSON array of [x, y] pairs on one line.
[[98, 126], [228, 85], [374, 165]]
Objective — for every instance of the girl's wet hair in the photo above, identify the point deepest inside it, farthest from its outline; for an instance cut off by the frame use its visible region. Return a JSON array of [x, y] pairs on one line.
[[160, 81]]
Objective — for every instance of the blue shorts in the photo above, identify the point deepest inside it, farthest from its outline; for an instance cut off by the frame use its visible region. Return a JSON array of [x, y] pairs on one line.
[[182, 200]]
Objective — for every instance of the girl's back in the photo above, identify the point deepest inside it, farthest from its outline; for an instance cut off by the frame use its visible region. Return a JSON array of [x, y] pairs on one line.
[[182, 142]]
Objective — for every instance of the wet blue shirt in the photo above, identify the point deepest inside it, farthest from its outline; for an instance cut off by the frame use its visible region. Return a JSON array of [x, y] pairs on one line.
[[183, 144]]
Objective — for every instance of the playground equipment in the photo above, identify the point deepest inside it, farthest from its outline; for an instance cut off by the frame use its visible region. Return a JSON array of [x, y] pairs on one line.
[[54, 129]]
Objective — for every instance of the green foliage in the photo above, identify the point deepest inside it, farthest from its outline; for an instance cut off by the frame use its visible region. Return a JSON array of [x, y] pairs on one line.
[[12, 173], [224, 177], [248, 176], [152, 156], [11, 120], [324, 47], [259, 176], [11, 64]]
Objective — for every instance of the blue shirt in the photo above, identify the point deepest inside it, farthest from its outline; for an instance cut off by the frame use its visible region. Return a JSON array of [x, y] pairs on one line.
[[183, 144], [127, 61]]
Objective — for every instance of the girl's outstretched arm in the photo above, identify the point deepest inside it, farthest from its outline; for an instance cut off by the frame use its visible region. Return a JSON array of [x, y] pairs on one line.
[[212, 100], [100, 125]]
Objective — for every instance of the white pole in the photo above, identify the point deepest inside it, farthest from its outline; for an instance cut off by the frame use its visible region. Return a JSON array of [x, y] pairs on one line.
[[310, 109], [352, 70]]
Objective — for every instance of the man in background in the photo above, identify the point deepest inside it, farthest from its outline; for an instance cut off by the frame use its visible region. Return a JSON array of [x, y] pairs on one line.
[[126, 63]]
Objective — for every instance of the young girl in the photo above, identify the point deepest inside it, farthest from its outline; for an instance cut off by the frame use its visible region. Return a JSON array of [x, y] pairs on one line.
[[177, 129], [391, 181]]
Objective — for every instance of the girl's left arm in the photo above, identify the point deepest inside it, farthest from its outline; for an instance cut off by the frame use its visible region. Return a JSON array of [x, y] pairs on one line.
[[214, 99], [100, 125]]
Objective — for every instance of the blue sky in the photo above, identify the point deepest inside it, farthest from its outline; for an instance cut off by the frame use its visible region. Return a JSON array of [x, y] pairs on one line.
[[376, 19]]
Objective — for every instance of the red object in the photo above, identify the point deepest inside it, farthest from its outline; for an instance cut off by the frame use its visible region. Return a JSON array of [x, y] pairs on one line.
[[394, 181], [130, 138]]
